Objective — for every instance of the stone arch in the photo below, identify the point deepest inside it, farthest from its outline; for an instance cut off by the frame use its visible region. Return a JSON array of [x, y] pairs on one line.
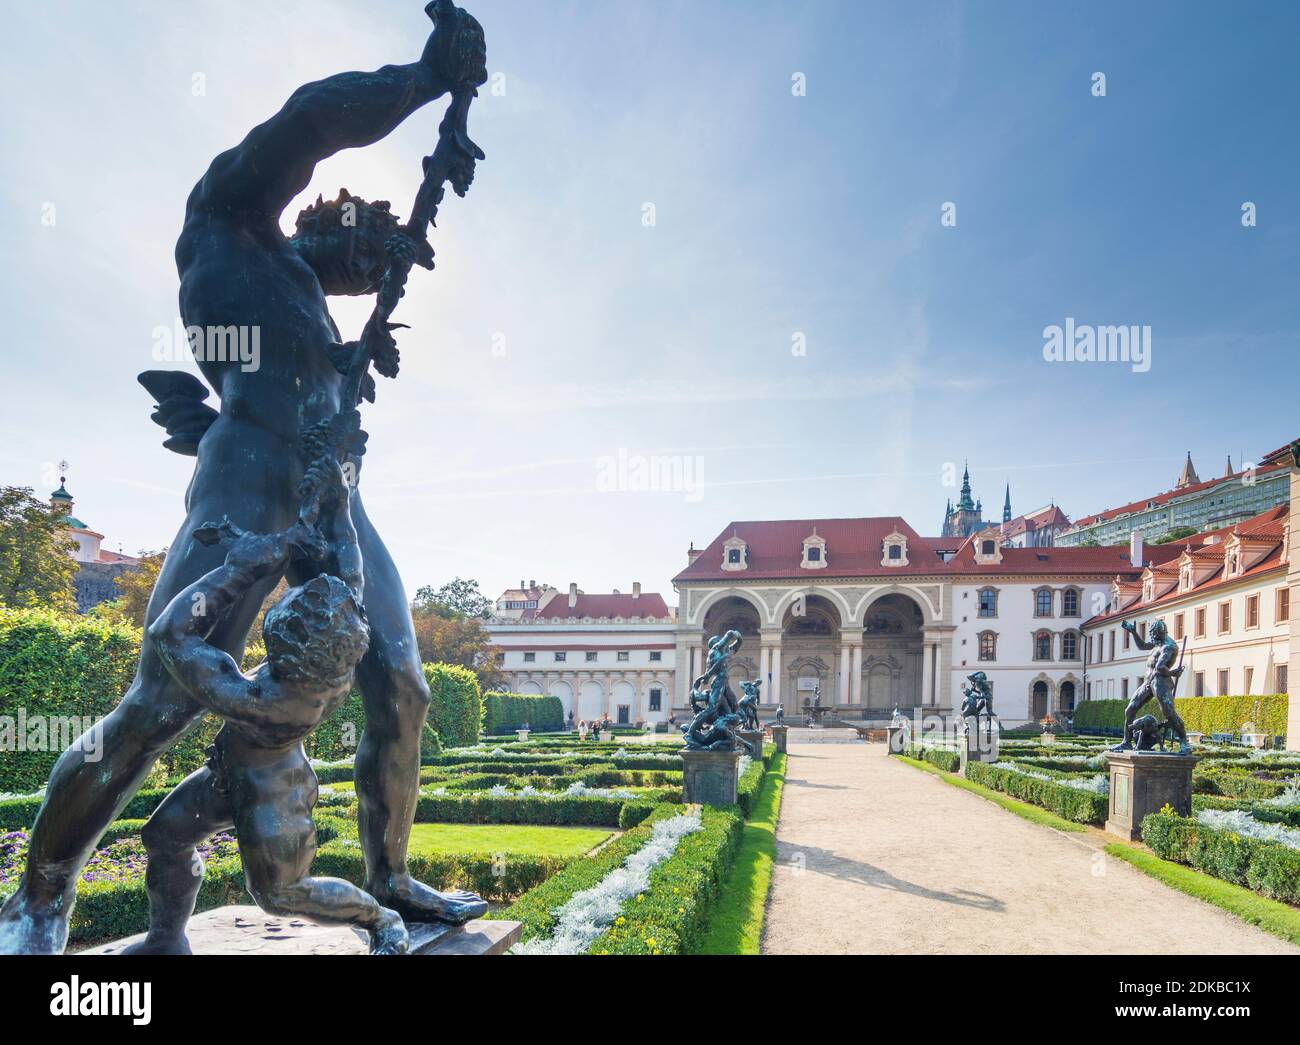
[[529, 686], [591, 700], [930, 613], [560, 688], [1042, 696], [830, 595], [696, 620]]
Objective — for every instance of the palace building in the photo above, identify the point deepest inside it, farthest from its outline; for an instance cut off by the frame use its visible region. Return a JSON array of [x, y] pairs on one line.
[[874, 616], [97, 567]]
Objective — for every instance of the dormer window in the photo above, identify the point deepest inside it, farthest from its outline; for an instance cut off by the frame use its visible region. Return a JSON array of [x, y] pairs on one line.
[[988, 550], [735, 554], [814, 552], [894, 550]]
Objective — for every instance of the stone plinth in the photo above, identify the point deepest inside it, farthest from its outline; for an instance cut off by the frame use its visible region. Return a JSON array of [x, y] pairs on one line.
[[522, 734], [755, 737], [1143, 782], [899, 739], [249, 930], [778, 736], [978, 745], [710, 777]]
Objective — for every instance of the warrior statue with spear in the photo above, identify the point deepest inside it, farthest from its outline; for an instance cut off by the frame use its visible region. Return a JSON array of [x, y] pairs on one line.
[[255, 456], [1161, 682]]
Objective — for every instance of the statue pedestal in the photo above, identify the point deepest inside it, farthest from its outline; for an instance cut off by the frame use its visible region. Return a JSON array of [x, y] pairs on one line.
[[710, 777], [899, 738], [1143, 782], [755, 737], [522, 734], [778, 736], [249, 930], [978, 746]]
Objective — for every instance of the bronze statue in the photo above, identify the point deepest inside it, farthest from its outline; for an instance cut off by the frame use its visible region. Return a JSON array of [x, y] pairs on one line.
[[748, 706], [978, 699], [258, 779], [1161, 683], [238, 270], [716, 709], [1147, 732]]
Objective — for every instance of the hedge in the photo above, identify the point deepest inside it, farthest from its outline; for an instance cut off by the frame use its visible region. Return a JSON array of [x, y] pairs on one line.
[[943, 758], [518, 809], [1205, 715], [1269, 868], [671, 916], [503, 713], [19, 814], [1081, 807], [457, 708]]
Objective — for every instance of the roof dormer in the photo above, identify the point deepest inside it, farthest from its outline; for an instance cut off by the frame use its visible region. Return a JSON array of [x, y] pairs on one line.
[[735, 554], [894, 549], [987, 547], [814, 552]]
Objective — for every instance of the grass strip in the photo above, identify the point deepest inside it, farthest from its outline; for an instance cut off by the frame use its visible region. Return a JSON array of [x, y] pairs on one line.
[[736, 926], [1272, 916], [1025, 810]]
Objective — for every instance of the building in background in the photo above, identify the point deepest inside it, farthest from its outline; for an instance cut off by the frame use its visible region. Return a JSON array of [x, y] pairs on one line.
[[97, 567], [1237, 495], [513, 603], [967, 517], [873, 616], [611, 654], [1226, 593]]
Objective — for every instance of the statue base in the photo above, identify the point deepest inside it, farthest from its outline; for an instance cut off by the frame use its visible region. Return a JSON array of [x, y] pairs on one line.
[[250, 930], [778, 736], [755, 737], [978, 746], [899, 738], [1143, 782], [710, 778], [522, 734]]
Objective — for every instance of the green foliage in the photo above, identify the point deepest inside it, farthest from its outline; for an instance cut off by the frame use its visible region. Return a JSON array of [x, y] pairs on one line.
[[1268, 868], [36, 567], [671, 916], [516, 809], [1176, 534], [1208, 715], [456, 598], [456, 711], [1080, 807], [941, 758], [1222, 777], [503, 713]]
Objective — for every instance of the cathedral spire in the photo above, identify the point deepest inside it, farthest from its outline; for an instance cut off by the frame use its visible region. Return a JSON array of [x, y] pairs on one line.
[[966, 504], [1006, 506]]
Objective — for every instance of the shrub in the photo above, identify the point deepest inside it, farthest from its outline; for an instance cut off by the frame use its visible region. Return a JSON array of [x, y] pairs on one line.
[[1081, 807], [456, 711], [519, 809], [503, 713], [749, 785], [1269, 868], [17, 814], [943, 758], [1267, 714]]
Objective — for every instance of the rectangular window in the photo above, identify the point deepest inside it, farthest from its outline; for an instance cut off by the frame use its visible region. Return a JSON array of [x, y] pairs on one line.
[[1283, 604], [1123, 690], [1225, 618], [624, 656], [1178, 626], [530, 658], [1200, 623], [1224, 682], [1252, 611], [1070, 603], [1250, 681], [1043, 602], [988, 646], [988, 603], [1200, 683], [560, 658], [1127, 640], [656, 699], [656, 655], [1282, 679], [591, 656], [624, 714]]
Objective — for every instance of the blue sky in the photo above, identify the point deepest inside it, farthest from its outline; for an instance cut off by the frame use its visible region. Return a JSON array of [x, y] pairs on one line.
[[561, 329]]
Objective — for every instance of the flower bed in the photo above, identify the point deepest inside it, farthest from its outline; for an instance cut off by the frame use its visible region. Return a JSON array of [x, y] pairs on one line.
[[1268, 867]]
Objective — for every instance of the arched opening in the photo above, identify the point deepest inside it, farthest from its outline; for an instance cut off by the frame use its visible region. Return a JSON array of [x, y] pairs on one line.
[[1067, 697], [810, 642], [1039, 701], [893, 645]]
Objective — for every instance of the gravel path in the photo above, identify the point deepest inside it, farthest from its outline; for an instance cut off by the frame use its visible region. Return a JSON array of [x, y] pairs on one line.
[[877, 857]]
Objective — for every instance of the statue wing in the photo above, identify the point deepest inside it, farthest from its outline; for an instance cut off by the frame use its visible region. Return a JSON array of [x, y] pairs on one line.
[[180, 409]]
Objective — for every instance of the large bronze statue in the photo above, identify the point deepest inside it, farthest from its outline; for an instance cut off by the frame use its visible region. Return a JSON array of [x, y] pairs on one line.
[[977, 700], [717, 712], [238, 270], [1163, 672]]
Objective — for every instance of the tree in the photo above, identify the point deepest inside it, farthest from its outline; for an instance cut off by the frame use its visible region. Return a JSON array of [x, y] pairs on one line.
[[458, 598], [1176, 534], [134, 586], [36, 564]]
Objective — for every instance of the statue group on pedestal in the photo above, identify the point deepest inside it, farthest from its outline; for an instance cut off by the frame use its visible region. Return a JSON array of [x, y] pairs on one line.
[[274, 495], [1164, 669], [977, 700], [716, 712]]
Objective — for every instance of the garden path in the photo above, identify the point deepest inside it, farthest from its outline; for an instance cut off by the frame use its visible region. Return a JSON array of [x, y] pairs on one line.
[[877, 857]]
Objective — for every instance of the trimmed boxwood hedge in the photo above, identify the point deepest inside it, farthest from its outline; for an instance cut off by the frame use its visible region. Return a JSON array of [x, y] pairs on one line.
[[1269, 868], [20, 813], [503, 713], [1081, 807], [1201, 714], [947, 760], [515, 809]]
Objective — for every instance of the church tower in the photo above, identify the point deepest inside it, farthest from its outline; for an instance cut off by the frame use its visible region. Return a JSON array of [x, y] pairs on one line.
[[1006, 506], [1188, 476], [968, 516]]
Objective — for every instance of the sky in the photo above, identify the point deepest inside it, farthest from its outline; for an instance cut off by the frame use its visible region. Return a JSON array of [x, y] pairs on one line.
[[804, 254]]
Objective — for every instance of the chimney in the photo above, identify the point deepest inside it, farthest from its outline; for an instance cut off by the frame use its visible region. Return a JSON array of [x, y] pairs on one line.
[[532, 584], [636, 589], [1136, 551], [573, 595], [693, 553], [521, 585]]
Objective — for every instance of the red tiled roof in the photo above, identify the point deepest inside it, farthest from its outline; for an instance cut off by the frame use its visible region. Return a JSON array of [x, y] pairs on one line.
[[1166, 497], [854, 548], [599, 607]]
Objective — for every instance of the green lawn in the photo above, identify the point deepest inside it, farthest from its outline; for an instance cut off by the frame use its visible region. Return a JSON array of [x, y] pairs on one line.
[[1026, 810], [736, 926], [1273, 917], [506, 838]]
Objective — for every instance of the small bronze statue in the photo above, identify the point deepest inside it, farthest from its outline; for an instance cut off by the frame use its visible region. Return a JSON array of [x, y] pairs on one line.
[[978, 699], [258, 779], [748, 706], [1161, 683], [780, 714], [1147, 732], [716, 709]]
